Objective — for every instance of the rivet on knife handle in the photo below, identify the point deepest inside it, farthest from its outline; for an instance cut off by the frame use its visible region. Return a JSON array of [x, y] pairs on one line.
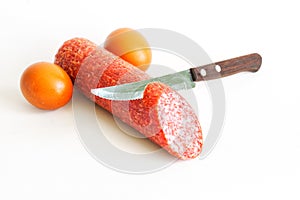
[[247, 63]]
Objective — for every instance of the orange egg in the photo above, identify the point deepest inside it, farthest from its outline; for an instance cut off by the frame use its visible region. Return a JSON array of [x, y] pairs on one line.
[[46, 86], [131, 46]]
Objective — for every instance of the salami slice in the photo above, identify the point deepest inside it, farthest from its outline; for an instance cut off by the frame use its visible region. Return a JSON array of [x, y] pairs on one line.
[[163, 115]]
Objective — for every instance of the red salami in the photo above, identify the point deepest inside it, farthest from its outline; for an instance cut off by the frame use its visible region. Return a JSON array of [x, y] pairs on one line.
[[162, 115]]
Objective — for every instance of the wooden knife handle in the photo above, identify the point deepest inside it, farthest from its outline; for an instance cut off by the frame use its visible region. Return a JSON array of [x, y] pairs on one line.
[[247, 63]]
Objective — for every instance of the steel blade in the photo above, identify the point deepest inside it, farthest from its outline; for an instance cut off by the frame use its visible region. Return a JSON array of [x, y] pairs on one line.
[[132, 91]]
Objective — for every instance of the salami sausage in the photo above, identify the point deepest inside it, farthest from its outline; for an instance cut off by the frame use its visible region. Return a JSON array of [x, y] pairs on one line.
[[163, 115]]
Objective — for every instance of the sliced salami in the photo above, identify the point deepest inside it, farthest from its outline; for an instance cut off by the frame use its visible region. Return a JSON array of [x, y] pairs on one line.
[[163, 115]]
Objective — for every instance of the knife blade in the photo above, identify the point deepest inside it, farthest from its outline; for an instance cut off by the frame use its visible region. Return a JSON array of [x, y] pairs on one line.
[[184, 79]]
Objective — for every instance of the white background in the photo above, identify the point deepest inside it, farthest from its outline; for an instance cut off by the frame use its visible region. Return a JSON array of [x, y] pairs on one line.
[[258, 155]]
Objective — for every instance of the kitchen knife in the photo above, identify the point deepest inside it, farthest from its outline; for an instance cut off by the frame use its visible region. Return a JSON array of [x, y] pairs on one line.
[[185, 79]]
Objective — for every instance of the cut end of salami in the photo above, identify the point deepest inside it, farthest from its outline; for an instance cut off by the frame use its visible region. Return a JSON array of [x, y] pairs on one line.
[[181, 130], [163, 115]]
